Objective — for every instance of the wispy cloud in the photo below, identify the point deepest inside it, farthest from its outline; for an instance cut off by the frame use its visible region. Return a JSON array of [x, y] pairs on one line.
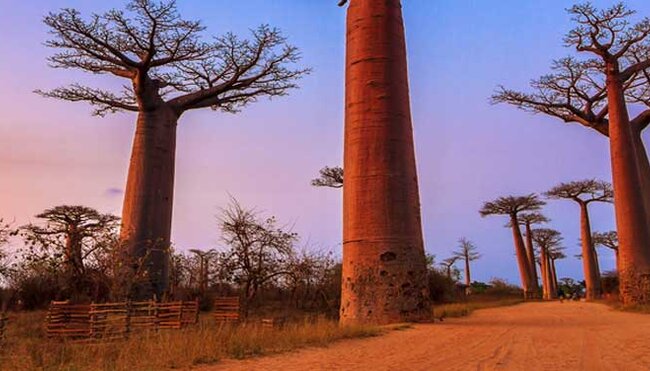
[[114, 192]]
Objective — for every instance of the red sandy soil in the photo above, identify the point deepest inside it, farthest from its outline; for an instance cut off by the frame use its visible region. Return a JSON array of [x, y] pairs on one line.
[[534, 336]]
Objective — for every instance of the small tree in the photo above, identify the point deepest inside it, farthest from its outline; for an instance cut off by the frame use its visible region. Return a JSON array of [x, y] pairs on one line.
[[467, 252], [69, 237], [547, 240], [204, 258], [258, 251], [448, 263], [329, 177], [169, 70], [584, 193], [512, 206]]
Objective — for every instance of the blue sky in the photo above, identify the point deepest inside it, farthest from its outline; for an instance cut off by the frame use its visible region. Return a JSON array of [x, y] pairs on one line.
[[468, 151]]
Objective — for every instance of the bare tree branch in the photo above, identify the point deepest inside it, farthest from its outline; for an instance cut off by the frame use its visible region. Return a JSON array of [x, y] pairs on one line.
[[106, 102]]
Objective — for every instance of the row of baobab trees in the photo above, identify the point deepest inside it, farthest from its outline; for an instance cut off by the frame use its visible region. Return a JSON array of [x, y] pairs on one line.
[[171, 69], [524, 211], [597, 91], [598, 88]]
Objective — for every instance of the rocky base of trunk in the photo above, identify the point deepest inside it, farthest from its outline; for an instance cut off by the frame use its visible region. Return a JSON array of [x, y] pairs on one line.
[[634, 287]]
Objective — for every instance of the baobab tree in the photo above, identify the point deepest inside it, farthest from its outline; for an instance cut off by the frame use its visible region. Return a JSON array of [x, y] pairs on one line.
[[584, 193], [554, 254], [620, 50], [169, 70], [527, 221], [608, 240], [384, 268], [575, 93], [448, 264], [547, 240], [512, 206], [331, 177], [204, 258], [69, 235], [467, 252]]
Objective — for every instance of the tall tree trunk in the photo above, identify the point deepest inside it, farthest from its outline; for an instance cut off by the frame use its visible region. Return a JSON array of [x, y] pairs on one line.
[[384, 267], [644, 170], [554, 284], [522, 260], [74, 263], [468, 278], [589, 260], [530, 252], [147, 210], [631, 218], [545, 271]]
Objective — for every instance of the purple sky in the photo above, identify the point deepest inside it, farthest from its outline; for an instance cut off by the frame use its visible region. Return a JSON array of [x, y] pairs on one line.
[[54, 152]]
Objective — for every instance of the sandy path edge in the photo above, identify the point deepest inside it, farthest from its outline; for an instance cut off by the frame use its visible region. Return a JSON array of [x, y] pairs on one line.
[[531, 336]]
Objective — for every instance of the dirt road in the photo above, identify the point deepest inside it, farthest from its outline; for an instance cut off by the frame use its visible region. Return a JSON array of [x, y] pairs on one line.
[[535, 336]]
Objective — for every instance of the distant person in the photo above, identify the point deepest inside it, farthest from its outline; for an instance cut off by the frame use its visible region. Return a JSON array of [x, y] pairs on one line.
[[560, 295]]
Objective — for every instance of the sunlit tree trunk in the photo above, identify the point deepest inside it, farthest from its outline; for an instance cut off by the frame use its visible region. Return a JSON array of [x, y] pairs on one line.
[[545, 272], [632, 227], [530, 252], [384, 269], [147, 210], [522, 260], [589, 259], [553, 284]]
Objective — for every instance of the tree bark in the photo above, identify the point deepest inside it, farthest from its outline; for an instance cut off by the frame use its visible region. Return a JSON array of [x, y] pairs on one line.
[[554, 284], [522, 260], [530, 252], [644, 170], [384, 267], [545, 271], [589, 259], [147, 210], [631, 218], [468, 278]]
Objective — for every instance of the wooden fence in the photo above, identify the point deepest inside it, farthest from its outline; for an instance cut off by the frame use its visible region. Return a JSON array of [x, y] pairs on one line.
[[65, 320], [111, 321], [226, 309]]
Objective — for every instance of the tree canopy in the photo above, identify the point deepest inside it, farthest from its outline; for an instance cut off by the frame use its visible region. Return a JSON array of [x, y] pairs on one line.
[[329, 177], [168, 60], [584, 191], [512, 205]]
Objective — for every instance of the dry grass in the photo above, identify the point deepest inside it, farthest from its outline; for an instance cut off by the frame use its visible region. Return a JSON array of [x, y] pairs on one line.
[[27, 349], [453, 310]]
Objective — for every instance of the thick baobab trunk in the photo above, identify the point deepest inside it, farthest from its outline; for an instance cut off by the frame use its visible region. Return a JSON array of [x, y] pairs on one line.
[[74, 266], [631, 222], [644, 170], [545, 272], [147, 211], [522, 260], [468, 277], [553, 272], [530, 253], [384, 268], [589, 260]]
